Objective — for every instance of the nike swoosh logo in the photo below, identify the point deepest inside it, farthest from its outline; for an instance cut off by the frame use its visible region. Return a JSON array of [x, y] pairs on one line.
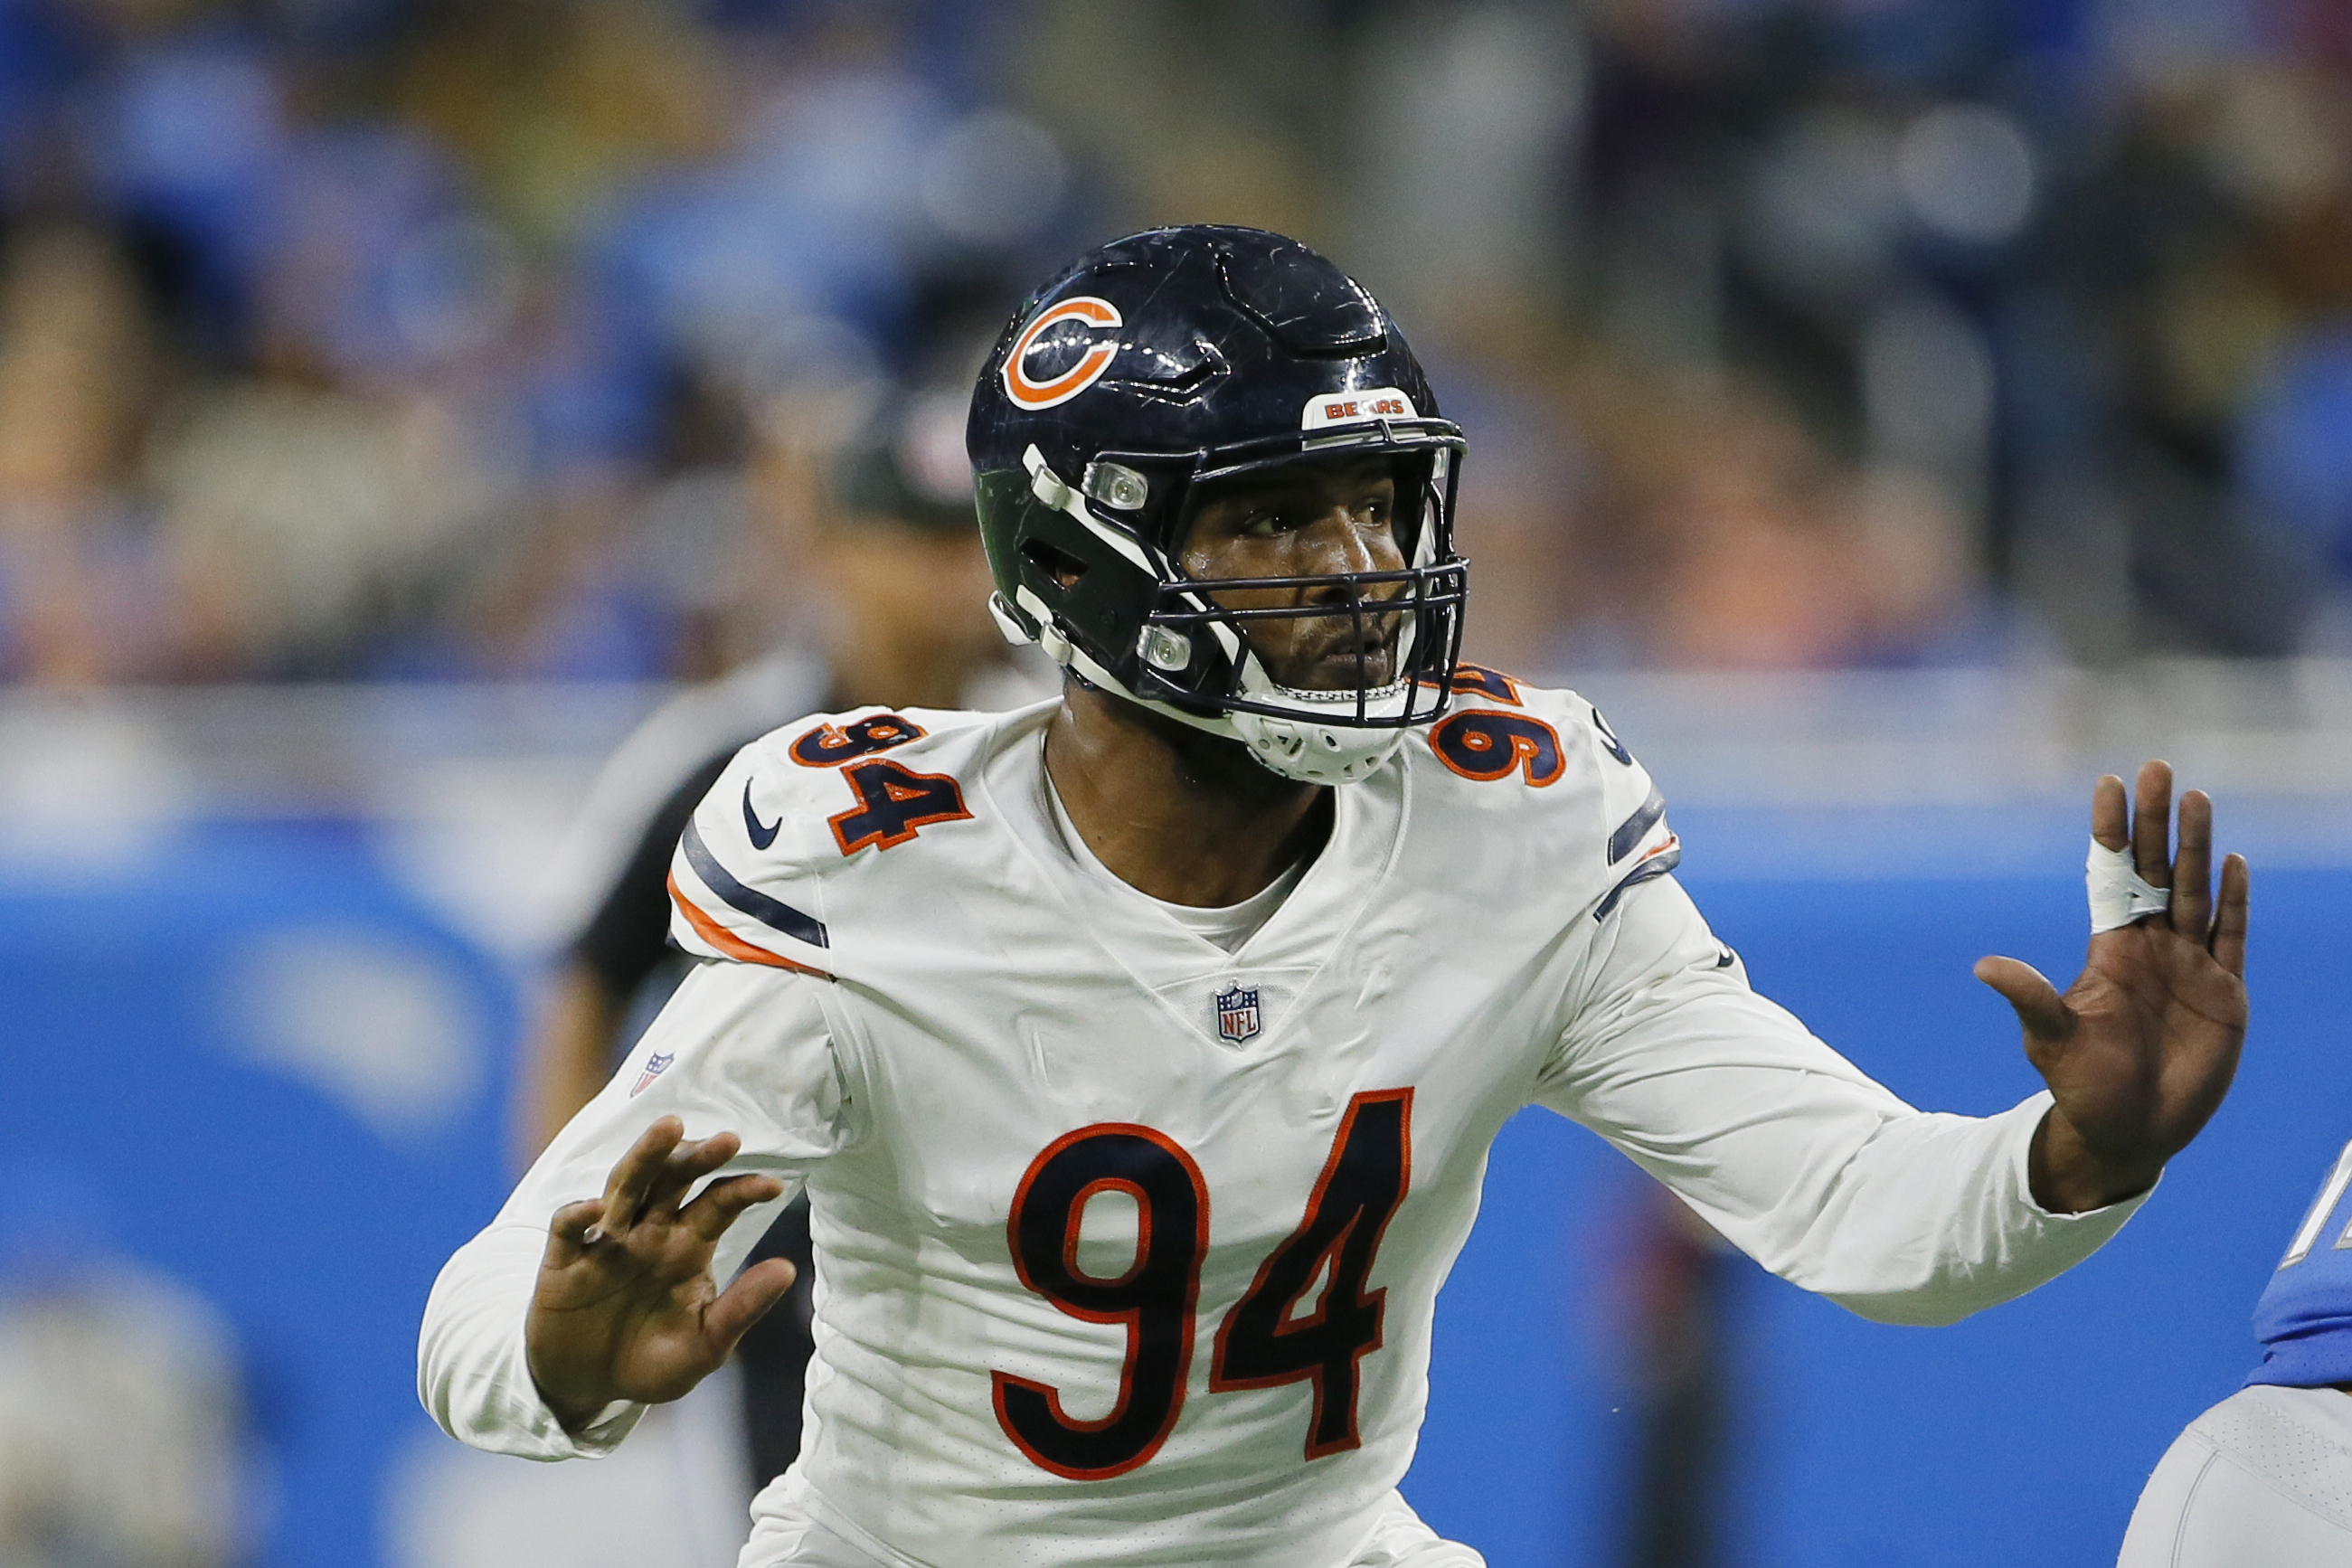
[[763, 833]]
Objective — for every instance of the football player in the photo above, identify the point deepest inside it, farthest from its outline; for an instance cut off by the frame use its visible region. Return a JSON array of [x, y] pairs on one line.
[[1140, 1052], [2266, 1475]]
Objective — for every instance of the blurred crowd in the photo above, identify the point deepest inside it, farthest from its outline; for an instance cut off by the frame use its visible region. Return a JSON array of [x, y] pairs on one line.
[[506, 339]]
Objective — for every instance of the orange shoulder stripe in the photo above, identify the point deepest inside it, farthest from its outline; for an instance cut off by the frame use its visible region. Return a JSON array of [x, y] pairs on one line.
[[727, 941]]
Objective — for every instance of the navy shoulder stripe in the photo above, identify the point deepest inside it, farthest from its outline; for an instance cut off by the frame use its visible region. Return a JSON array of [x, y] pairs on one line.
[[1649, 870], [768, 911], [1629, 832]]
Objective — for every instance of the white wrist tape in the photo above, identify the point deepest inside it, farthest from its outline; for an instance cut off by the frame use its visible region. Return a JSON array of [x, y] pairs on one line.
[[2118, 895]]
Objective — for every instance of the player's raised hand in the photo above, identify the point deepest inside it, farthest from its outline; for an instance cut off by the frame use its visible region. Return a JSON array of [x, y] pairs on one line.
[[625, 1306], [2140, 1049]]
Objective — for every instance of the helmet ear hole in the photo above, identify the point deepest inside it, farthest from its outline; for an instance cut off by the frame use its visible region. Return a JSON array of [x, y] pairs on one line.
[[1059, 565]]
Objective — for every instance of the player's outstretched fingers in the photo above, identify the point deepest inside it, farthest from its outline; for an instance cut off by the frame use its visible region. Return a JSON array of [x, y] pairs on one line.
[[2110, 813], [2228, 943], [745, 1303], [2151, 833], [686, 1164], [632, 1176], [2192, 867], [723, 1203]]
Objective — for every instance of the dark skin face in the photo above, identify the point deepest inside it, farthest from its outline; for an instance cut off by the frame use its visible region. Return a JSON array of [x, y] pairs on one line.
[[1311, 519], [1192, 819]]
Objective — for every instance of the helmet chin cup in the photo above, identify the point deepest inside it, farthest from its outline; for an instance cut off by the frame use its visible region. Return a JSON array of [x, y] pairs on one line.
[[1304, 744], [1297, 745], [1308, 753]]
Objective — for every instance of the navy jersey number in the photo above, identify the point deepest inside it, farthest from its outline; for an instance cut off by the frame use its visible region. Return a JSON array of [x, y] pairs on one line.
[[830, 746], [1263, 1342], [1153, 1297], [892, 803], [1487, 746]]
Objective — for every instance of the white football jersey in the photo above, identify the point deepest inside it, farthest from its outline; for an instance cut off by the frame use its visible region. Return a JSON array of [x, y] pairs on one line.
[[1128, 1245]]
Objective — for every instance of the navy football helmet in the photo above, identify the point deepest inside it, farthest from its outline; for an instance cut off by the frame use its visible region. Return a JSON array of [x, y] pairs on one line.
[[1184, 356]]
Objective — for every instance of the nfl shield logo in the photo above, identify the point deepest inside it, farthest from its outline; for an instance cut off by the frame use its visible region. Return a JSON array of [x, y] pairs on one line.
[[1237, 1015], [654, 1065]]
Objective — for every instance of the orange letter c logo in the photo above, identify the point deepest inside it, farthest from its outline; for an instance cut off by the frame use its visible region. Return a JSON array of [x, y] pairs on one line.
[[1034, 394]]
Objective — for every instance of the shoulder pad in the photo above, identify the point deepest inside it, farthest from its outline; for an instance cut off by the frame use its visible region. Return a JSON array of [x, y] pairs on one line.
[[801, 806], [1525, 748]]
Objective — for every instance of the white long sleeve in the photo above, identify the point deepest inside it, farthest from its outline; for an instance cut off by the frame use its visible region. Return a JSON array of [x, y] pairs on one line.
[[1790, 1151], [740, 1049]]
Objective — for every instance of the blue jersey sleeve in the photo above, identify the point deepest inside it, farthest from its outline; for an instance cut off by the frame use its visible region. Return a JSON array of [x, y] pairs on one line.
[[2304, 1318]]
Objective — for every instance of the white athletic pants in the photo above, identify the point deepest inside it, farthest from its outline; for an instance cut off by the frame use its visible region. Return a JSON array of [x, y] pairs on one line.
[[2264, 1480], [788, 1539]]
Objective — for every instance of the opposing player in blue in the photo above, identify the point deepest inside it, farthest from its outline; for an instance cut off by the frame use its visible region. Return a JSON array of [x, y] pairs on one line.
[[2266, 1477]]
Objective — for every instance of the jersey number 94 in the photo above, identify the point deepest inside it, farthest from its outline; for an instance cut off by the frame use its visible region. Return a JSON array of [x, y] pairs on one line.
[[1264, 1340]]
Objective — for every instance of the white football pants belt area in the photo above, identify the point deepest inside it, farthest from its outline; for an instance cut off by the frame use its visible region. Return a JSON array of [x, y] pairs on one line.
[[2118, 893], [2264, 1480]]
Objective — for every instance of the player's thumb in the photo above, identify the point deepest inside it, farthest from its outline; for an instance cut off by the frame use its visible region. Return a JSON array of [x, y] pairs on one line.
[[746, 1302], [2043, 1013]]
